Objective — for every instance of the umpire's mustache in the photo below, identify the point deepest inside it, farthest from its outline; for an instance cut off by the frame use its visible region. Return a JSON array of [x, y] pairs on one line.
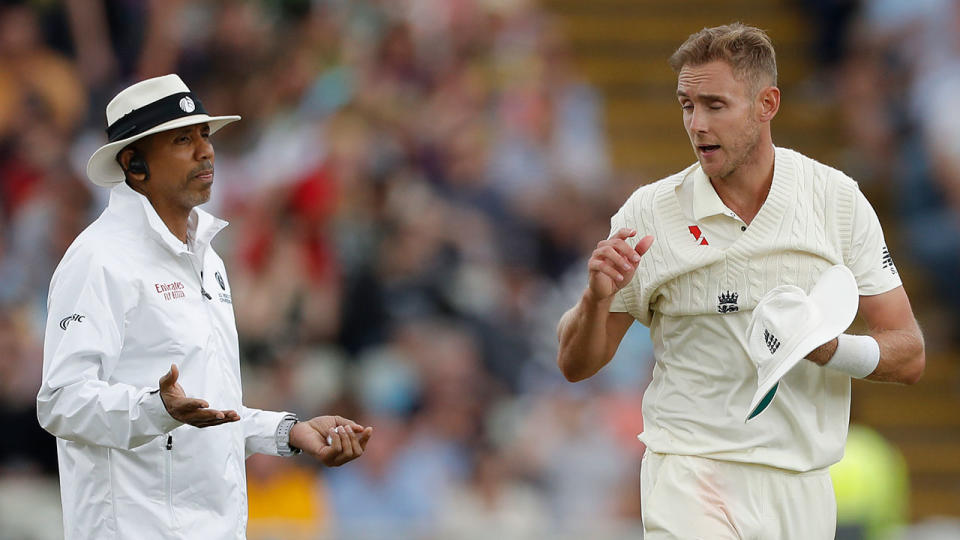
[[206, 166]]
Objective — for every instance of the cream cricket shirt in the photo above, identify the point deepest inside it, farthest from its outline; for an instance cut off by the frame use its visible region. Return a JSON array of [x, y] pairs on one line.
[[697, 286]]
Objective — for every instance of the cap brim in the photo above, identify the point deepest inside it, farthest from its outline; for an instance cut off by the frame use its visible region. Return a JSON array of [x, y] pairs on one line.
[[103, 169], [836, 297]]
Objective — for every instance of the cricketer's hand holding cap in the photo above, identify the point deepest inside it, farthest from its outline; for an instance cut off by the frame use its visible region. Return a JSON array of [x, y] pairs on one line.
[[788, 324], [147, 107]]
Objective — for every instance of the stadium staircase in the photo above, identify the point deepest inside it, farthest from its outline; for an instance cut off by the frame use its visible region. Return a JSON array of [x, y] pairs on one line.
[[622, 46]]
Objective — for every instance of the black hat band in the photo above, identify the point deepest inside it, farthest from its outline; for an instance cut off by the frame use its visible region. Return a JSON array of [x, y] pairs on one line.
[[150, 116]]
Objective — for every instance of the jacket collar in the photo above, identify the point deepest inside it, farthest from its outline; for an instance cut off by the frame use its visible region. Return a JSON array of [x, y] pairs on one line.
[[137, 211]]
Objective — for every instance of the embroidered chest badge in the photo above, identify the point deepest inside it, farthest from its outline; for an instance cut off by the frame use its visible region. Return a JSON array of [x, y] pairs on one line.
[[727, 302], [223, 296], [698, 235]]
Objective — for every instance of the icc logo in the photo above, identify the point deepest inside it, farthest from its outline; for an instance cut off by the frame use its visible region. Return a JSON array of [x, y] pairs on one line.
[[67, 320]]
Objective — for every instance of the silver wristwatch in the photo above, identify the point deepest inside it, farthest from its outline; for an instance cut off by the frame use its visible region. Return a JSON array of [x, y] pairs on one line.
[[283, 436]]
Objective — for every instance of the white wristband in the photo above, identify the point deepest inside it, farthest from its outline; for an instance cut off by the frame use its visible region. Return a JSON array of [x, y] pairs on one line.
[[857, 356]]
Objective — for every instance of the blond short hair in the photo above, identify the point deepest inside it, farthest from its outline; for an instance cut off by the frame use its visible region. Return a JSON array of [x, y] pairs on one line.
[[747, 49]]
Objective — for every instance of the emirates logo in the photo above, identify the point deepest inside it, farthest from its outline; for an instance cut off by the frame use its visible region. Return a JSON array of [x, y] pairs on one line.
[[170, 291]]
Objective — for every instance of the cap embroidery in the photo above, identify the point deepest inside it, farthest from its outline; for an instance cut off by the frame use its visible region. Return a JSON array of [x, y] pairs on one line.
[[772, 342], [186, 104]]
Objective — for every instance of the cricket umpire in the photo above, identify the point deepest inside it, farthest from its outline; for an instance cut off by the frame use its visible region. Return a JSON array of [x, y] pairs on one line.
[[141, 373], [748, 267]]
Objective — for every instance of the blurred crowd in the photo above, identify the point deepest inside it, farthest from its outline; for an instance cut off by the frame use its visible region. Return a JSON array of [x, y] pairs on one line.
[[894, 68], [411, 194]]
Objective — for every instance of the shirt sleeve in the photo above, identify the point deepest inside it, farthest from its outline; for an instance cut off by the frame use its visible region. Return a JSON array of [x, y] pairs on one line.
[[260, 430], [83, 341], [870, 259], [618, 305]]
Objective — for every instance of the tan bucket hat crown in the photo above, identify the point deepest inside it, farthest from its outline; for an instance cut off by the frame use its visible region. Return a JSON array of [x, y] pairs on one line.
[[147, 107]]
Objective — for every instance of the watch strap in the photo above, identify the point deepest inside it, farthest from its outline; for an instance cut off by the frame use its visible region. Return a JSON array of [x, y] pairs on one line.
[[283, 436]]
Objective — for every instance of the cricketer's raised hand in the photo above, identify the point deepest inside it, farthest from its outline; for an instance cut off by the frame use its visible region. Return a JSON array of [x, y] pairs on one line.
[[613, 263]]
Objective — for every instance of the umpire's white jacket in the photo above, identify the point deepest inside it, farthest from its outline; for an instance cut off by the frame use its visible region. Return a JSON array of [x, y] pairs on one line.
[[127, 300]]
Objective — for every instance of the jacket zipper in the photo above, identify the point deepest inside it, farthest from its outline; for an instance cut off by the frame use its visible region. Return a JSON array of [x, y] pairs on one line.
[[203, 290], [168, 459]]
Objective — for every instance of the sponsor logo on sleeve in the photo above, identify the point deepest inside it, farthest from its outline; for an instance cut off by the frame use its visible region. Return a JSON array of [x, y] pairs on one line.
[[887, 261], [64, 322]]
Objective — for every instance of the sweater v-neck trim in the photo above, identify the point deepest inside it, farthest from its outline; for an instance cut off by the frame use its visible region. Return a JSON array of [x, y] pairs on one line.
[[765, 223]]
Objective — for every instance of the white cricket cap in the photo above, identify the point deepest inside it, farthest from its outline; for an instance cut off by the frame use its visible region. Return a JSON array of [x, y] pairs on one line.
[[788, 324]]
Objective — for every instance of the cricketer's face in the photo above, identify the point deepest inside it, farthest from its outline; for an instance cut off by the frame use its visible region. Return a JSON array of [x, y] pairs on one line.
[[720, 114], [181, 165]]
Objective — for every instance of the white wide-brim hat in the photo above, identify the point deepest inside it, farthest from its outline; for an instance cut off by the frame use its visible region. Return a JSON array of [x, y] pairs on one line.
[[788, 324], [147, 107]]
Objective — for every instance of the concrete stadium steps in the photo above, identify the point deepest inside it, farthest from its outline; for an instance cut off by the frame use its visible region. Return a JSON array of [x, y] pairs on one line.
[[923, 421], [934, 476], [637, 65], [622, 46]]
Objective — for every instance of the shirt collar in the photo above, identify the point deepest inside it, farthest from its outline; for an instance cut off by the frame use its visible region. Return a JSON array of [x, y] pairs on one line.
[[201, 225], [706, 202]]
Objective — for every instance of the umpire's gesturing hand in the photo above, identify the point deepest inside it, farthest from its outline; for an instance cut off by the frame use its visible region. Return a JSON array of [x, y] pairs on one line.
[[614, 262], [334, 440], [195, 412]]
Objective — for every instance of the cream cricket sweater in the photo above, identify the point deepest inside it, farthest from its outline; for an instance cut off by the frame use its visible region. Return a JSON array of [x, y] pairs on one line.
[[697, 300]]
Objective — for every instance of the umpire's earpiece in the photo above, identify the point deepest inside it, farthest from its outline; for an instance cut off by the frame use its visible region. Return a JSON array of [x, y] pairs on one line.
[[138, 165]]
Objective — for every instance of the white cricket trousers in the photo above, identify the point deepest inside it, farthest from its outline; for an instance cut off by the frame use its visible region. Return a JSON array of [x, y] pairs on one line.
[[689, 497]]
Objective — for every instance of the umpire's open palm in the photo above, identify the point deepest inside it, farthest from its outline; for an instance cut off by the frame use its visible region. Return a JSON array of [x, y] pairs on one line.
[[614, 262], [195, 412]]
